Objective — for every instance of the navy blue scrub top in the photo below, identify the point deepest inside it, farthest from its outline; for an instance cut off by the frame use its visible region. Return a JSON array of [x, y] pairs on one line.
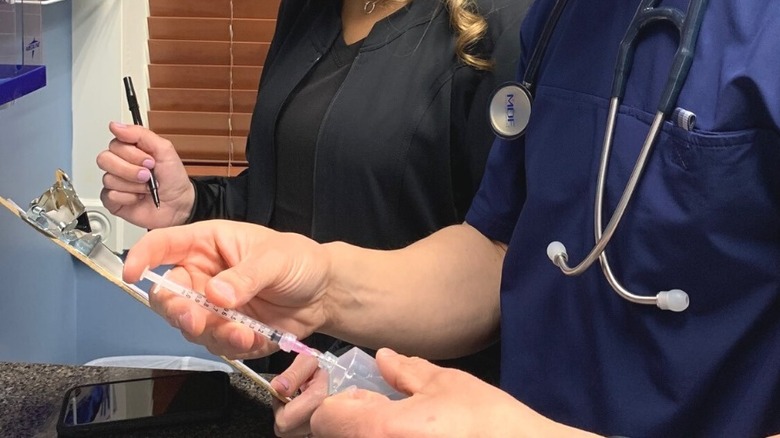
[[705, 218]]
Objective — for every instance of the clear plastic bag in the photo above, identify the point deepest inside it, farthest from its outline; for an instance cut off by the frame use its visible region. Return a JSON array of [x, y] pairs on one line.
[[187, 363]]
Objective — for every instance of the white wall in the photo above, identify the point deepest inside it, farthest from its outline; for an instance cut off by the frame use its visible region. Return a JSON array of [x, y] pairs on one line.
[[109, 43]]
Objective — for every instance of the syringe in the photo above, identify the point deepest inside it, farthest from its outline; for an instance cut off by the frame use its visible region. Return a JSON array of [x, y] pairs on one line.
[[287, 341], [353, 368]]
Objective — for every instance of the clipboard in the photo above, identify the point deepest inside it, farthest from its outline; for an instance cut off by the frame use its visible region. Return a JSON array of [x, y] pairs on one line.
[[60, 216]]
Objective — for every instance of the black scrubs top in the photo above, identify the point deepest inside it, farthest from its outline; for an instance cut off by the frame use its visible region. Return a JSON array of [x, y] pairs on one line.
[[296, 138]]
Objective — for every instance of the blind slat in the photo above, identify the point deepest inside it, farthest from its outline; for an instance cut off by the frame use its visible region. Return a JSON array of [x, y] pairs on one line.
[[206, 52], [214, 8], [212, 29], [204, 76], [201, 170], [202, 100], [174, 122], [208, 147]]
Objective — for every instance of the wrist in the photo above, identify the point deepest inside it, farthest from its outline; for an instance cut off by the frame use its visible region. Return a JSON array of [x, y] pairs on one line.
[[186, 213], [349, 297], [334, 291], [191, 196]]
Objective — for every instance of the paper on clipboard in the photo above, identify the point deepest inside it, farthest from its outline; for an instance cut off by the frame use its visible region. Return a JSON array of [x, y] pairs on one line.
[[59, 215]]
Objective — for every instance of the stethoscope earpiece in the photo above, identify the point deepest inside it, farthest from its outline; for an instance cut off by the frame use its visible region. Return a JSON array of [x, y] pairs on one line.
[[675, 300], [555, 251]]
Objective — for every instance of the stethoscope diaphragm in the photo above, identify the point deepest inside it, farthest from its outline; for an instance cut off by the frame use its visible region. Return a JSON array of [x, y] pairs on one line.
[[509, 110]]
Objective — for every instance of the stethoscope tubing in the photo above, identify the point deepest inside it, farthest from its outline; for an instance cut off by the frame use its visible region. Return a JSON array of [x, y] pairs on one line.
[[688, 26], [604, 237]]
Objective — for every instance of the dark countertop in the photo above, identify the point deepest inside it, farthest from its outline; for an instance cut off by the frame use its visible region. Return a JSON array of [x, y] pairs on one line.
[[31, 397]]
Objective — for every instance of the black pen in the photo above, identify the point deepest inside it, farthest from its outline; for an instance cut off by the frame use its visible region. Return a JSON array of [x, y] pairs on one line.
[[132, 101]]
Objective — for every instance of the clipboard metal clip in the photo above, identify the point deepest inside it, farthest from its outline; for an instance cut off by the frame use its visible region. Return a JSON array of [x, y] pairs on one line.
[[59, 213]]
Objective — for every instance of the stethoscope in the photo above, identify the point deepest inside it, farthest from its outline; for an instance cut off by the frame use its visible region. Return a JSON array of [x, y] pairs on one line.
[[510, 111]]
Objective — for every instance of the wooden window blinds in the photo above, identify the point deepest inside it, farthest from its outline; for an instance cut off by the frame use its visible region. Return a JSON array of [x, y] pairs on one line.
[[205, 61]]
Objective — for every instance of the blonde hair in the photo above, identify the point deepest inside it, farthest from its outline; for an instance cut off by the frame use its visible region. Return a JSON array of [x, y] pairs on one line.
[[470, 27]]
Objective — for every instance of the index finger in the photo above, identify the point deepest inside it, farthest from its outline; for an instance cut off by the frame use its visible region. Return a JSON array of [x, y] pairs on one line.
[[172, 245], [142, 138]]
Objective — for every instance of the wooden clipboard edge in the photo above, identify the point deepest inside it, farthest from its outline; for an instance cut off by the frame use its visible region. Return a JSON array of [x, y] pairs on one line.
[[236, 364]]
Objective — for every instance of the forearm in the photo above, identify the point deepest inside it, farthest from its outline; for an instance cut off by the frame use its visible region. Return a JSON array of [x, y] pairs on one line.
[[437, 298]]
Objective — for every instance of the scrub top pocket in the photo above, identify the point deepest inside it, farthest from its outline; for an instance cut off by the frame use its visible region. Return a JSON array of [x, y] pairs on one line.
[[705, 215], [712, 194]]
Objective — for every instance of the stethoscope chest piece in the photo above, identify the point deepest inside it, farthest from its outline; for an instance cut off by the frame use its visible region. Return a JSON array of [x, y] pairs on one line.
[[510, 110]]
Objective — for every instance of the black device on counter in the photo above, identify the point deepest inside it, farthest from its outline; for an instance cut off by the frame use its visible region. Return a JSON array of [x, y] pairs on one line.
[[99, 408]]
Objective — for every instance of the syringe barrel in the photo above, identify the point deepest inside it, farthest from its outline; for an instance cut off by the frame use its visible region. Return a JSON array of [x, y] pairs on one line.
[[357, 368]]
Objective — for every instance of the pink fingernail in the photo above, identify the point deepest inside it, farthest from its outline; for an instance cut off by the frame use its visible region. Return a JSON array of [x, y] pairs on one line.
[[283, 381], [148, 163], [144, 175]]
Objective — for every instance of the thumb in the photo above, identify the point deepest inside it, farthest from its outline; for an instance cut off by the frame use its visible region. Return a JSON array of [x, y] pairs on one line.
[[351, 413], [238, 285], [406, 374]]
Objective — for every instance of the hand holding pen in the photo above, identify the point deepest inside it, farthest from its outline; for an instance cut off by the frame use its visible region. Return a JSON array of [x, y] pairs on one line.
[[132, 102], [127, 163]]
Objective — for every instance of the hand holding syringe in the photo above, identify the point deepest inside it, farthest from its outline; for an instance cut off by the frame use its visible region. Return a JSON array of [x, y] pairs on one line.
[[353, 368]]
